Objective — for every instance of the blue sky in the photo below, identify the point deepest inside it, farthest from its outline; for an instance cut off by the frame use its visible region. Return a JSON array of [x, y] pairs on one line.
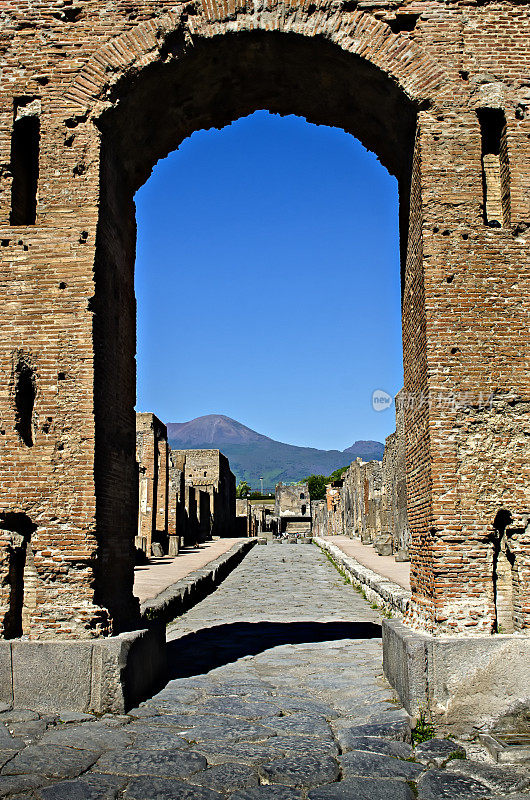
[[267, 281]]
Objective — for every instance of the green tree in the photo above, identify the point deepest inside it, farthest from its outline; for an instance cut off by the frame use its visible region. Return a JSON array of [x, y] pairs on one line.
[[337, 475], [317, 486], [242, 489]]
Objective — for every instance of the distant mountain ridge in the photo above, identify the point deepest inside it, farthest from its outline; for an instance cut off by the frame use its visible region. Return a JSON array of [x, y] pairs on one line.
[[253, 455]]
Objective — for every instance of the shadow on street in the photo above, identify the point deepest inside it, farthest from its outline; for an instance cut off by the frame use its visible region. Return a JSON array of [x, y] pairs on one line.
[[208, 648]]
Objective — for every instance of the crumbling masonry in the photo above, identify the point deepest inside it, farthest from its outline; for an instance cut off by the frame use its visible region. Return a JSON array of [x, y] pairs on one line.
[[91, 97], [185, 496], [369, 501]]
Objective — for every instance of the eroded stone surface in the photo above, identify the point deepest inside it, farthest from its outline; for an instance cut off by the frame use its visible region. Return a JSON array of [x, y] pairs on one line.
[[226, 777], [300, 771], [87, 787], [350, 741], [376, 765], [167, 789], [437, 751], [363, 789], [445, 785], [166, 763], [268, 793], [50, 761]]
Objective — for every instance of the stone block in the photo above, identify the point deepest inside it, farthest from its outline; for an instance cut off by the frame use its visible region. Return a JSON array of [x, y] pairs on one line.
[[467, 680], [52, 675], [6, 674], [102, 675]]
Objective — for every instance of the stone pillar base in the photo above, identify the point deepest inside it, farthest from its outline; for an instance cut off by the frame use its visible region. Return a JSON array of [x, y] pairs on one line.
[[173, 546], [99, 675], [467, 682]]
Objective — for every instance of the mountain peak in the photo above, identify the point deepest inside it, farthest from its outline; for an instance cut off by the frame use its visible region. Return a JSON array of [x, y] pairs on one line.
[[213, 430], [366, 447], [254, 456]]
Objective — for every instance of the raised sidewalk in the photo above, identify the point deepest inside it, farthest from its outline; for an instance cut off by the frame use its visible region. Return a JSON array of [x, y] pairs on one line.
[[152, 578], [383, 580], [387, 566]]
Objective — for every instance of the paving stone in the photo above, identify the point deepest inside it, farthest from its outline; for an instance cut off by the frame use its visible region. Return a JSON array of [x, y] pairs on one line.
[[305, 724], [89, 736], [16, 784], [51, 761], [190, 719], [267, 793], [516, 796], [376, 765], [5, 756], [8, 742], [363, 789], [242, 688], [500, 777], [240, 708], [167, 789], [74, 716], [142, 712], [233, 731], [180, 693], [300, 771], [436, 751], [226, 777], [167, 763], [19, 715], [29, 732], [398, 730], [306, 706], [145, 737], [242, 752], [88, 787], [445, 785], [22, 797], [306, 744], [373, 744], [391, 714]]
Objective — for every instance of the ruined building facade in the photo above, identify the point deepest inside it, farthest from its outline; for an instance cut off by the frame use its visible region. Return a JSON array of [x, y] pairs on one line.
[[153, 481], [208, 471], [439, 91], [292, 508], [185, 496], [370, 499]]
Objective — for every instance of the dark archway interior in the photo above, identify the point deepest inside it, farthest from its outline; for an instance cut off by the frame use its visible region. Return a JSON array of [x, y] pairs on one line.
[[208, 85], [224, 78]]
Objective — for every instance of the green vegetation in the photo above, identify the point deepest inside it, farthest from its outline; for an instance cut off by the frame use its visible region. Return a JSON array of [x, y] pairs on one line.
[[424, 729], [264, 498], [317, 483], [242, 490], [457, 756], [317, 486]]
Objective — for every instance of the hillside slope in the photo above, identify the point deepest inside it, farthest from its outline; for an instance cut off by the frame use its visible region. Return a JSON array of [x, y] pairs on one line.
[[253, 455]]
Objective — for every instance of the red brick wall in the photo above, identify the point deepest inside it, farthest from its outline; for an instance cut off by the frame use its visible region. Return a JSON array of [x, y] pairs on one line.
[[119, 86]]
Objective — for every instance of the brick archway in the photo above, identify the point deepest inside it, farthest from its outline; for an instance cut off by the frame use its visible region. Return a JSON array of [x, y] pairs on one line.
[[104, 121]]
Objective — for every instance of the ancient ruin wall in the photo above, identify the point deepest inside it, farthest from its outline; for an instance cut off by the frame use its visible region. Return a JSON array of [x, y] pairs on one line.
[[81, 87]]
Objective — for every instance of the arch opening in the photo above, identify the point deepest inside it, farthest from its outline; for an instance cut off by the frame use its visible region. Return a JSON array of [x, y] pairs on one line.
[[218, 81]]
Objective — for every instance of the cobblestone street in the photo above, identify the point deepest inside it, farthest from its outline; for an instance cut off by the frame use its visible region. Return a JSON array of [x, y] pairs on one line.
[[276, 692]]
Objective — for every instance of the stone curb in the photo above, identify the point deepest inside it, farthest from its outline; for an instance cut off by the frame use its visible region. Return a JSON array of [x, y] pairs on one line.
[[187, 592], [86, 675], [387, 594]]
